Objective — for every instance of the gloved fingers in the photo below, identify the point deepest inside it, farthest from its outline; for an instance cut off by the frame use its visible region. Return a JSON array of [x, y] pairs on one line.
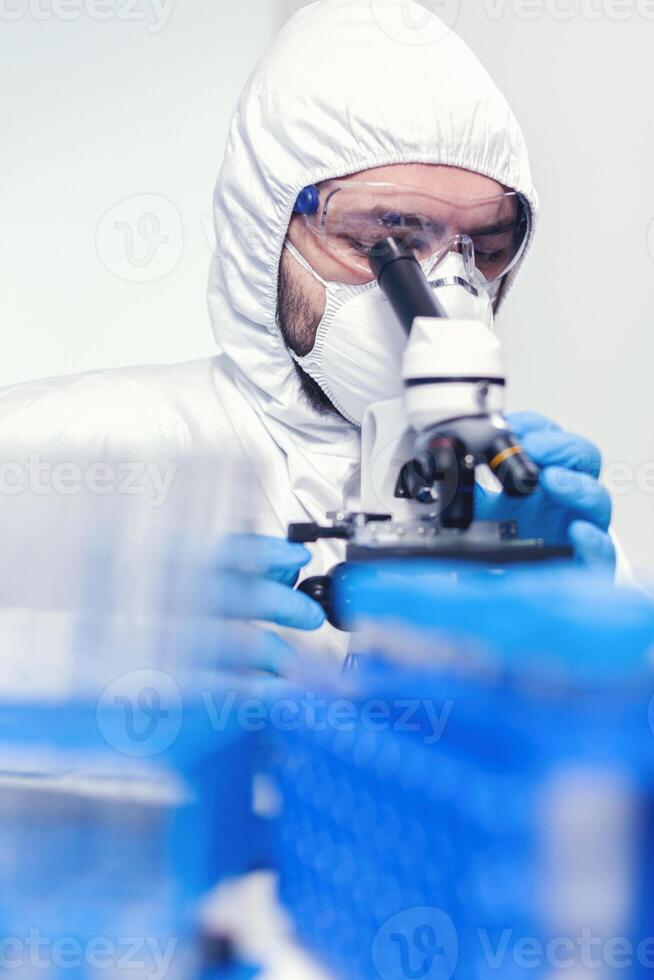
[[553, 447], [592, 546], [269, 652], [265, 651], [523, 422], [228, 645], [273, 655], [238, 596], [578, 493], [495, 505], [483, 498], [276, 558]]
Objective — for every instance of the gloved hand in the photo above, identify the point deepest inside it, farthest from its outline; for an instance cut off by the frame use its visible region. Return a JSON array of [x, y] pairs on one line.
[[570, 506], [250, 577]]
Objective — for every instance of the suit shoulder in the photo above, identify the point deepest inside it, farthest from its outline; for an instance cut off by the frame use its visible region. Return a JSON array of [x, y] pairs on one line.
[[100, 411]]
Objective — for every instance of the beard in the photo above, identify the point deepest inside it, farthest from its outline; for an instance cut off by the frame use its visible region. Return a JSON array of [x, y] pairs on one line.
[[298, 322]]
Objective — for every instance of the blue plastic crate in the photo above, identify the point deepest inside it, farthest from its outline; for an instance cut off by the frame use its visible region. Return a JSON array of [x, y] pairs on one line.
[[407, 856]]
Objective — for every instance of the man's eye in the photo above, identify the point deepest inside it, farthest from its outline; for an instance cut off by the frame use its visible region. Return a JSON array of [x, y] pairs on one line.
[[391, 220], [361, 248], [408, 240], [489, 256], [492, 251], [417, 244]]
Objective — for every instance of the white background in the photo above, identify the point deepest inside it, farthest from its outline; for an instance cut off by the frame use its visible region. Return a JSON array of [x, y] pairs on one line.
[[135, 108], [95, 112]]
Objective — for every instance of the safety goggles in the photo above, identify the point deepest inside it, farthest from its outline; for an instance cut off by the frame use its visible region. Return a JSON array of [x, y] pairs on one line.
[[348, 218]]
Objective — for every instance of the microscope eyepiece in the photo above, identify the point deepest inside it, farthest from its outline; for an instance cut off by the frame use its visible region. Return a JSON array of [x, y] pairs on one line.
[[403, 282]]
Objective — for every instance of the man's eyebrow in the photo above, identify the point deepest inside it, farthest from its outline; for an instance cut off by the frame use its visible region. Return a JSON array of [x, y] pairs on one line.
[[497, 229]]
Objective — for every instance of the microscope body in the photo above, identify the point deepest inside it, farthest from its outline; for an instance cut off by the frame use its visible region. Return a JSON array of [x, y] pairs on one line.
[[420, 453], [454, 390]]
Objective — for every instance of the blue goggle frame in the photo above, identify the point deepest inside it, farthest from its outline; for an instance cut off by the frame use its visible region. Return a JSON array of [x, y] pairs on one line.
[[307, 200]]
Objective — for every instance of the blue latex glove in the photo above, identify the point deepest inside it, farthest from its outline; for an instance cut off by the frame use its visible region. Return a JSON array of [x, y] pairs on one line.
[[570, 505], [254, 579], [249, 577]]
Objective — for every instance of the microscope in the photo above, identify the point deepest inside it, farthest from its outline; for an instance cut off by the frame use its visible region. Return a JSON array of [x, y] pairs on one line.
[[420, 452]]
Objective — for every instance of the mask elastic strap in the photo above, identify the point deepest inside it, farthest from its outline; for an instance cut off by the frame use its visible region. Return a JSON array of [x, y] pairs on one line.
[[303, 262]]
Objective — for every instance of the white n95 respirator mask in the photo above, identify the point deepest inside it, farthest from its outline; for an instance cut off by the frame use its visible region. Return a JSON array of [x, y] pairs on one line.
[[357, 355]]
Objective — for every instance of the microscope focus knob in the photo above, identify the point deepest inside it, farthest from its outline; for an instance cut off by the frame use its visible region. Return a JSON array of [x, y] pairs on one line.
[[319, 588], [417, 479]]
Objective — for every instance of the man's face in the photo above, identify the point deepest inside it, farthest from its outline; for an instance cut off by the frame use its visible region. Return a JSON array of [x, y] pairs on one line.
[[301, 298]]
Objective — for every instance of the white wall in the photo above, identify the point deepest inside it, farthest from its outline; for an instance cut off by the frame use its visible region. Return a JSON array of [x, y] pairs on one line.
[[95, 112], [579, 329]]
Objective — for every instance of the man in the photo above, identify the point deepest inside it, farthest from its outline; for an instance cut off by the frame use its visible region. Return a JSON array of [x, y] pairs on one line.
[[338, 97]]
